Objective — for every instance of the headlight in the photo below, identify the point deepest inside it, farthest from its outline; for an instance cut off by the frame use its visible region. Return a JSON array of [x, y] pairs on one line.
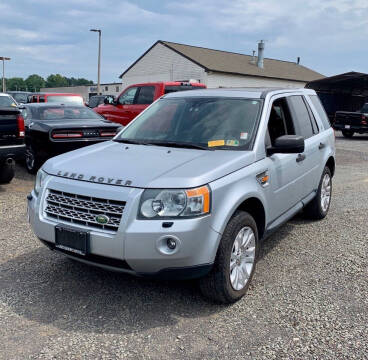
[[159, 204], [40, 178]]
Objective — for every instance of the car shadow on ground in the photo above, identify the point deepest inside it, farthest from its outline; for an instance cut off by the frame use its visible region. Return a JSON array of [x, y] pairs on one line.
[[272, 241], [46, 287]]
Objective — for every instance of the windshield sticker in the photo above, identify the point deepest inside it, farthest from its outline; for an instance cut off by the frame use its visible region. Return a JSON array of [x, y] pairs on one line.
[[243, 136], [216, 143], [232, 143]]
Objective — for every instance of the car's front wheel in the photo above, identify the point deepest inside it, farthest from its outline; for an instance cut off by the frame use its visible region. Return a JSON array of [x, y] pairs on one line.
[[235, 261], [318, 208]]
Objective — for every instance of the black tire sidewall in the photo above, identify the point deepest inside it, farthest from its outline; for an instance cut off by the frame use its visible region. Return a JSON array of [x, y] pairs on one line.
[[7, 173], [237, 222], [347, 133]]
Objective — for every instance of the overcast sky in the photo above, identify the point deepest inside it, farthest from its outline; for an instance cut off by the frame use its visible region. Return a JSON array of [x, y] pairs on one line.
[[44, 37]]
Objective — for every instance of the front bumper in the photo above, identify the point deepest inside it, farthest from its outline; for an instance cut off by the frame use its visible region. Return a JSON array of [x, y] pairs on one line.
[[136, 247]]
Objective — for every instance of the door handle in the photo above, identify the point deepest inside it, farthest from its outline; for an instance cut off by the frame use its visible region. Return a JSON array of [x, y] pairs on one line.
[[321, 146], [300, 158]]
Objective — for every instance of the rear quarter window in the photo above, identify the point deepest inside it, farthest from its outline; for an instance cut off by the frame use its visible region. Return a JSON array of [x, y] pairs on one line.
[[300, 115], [320, 111]]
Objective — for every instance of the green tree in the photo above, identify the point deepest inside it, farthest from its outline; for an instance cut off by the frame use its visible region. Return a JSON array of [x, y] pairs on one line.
[[35, 82], [83, 81], [56, 80], [15, 84], [77, 82]]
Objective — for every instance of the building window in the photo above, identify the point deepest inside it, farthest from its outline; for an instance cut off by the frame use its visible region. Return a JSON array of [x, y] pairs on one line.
[[117, 89], [106, 88]]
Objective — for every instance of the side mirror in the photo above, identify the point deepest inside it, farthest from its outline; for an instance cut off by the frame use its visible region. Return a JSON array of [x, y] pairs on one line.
[[287, 144]]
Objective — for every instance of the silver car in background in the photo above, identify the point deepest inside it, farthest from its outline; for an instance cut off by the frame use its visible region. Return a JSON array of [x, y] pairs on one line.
[[190, 187]]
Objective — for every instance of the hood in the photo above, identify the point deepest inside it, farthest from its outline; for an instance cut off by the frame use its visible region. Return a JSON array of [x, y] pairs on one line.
[[147, 166]]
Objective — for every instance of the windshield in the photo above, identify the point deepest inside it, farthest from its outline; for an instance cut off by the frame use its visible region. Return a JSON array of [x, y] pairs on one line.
[[7, 101], [225, 123], [20, 98], [62, 112], [77, 100]]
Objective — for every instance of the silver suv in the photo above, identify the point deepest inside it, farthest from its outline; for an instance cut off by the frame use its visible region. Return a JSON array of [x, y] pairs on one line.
[[191, 186]]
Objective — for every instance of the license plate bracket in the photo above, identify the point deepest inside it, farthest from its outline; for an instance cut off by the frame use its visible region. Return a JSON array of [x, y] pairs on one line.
[[71, 240]]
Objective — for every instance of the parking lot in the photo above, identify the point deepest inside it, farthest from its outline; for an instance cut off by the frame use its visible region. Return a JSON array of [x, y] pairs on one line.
[[308, 299]]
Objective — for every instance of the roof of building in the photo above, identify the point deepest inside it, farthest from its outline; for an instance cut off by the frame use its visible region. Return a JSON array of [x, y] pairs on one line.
[[238, 64]]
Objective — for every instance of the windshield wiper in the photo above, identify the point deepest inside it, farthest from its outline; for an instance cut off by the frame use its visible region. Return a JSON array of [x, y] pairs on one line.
[[131, 141], [179, 145]]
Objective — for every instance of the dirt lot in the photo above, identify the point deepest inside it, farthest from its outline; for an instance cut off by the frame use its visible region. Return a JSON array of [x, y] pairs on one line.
[[308, 300]]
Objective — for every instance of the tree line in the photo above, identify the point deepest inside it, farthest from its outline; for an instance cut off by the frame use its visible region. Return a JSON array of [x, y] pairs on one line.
[[35, 82]]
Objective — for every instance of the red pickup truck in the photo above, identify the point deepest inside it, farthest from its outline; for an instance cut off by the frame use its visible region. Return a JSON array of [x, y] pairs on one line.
[[135, 98]]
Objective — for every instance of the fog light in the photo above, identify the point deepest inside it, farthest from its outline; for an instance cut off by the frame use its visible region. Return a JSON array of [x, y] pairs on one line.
[[171, 243]]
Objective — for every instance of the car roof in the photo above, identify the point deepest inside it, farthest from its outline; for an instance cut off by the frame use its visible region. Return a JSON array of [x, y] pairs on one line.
[[4, 94], [246, 92], [58, 94], [53, 105]]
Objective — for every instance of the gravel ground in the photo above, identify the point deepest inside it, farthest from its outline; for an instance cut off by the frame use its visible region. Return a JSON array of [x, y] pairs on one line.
[[308, 299]]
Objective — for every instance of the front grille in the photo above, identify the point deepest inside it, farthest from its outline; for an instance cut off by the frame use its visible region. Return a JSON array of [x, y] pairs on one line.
[[83, 210]]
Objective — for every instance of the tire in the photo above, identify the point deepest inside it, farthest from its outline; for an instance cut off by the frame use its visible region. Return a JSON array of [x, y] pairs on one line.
[[220, 284], [315, 209], [348, 133], [32, 162], [6, 173]]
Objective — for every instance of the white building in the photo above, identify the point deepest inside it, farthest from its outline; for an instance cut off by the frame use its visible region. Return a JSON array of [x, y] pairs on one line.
[[167, 61]]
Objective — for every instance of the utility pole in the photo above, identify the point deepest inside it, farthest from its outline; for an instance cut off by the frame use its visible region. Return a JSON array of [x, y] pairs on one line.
[[99, 60], [3, 59]]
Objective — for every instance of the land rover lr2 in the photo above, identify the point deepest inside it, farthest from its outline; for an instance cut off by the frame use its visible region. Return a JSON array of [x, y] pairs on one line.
[[191, 186]]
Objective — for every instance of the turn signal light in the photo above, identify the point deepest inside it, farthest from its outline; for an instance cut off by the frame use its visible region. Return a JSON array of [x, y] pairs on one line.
[[202, 192]]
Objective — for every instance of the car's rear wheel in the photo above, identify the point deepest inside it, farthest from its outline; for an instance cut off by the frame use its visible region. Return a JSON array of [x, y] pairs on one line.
[[318, 208], [348, 133], [235, 261], [32, 162], [7, 171]]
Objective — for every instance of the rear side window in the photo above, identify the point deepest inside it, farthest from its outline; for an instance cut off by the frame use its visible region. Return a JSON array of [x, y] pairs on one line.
[[300, 115], [320, 111], [145, 95]]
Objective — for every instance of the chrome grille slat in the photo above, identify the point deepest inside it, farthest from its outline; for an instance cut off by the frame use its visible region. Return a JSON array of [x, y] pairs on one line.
[[82, 210]]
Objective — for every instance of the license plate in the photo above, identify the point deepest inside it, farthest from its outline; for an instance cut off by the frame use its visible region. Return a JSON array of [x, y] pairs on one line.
[[71, 240], [347, 126]]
